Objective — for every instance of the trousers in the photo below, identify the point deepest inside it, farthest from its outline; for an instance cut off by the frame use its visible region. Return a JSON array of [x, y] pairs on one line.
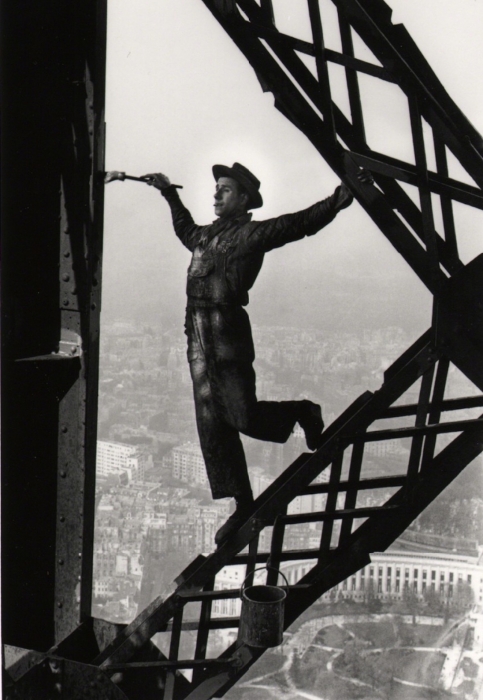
[[220, 353]]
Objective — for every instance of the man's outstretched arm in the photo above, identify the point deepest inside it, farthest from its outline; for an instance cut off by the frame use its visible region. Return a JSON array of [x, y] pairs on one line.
[[276, 232], [185, 228]]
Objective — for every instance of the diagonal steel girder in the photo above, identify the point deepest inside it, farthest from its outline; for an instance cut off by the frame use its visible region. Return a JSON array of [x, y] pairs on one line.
[[302, 99], [375, 535]]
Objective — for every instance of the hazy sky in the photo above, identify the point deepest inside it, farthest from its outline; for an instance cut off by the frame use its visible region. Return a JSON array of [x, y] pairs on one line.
[[180, 97]]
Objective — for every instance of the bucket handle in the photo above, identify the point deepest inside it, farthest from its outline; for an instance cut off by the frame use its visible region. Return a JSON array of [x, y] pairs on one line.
[[263, 568]]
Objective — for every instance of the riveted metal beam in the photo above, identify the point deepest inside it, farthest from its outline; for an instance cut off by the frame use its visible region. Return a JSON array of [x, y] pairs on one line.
[[52, 246]]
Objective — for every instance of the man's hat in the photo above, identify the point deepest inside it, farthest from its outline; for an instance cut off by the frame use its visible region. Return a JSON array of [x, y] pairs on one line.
[[247, 179]]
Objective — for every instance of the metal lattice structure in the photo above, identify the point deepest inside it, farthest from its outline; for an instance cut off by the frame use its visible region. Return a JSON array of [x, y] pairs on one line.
[[349, 529]]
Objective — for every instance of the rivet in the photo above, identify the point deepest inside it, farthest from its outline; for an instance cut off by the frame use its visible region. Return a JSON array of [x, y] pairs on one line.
[[80, 555], [79, 578], [66, 254], [95, 282], [73, 351], [66, 277], [63, 474], [93, 307], [61, 561], [90, 132], [62, 518], [73, 290], [64, 428], [65, 302], [66, 230], [59, 604]]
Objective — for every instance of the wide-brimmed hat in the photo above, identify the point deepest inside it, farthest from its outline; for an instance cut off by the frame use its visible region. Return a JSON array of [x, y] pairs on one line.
[[247, 179]]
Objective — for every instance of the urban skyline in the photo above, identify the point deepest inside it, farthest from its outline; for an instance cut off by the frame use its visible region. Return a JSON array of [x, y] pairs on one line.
[[155, 511]]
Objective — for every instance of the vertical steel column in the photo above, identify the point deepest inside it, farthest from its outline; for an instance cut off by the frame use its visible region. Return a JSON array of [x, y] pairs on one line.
[[352, 80], [352, 489], [446, 203], [203, 629], [421, 416], [80, 285], [435, 412], [276, 548], [330, 506], [267, 9], [322, 70], [169, 690], [53, 125]]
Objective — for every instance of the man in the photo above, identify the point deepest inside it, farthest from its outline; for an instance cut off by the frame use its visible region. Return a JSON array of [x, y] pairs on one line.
[[227, 257]]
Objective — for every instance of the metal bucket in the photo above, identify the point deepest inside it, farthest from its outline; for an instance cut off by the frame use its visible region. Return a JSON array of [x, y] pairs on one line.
[[262, 612]]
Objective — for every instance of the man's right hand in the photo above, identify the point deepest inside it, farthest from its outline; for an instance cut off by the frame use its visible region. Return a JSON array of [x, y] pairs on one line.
[[157, 180]]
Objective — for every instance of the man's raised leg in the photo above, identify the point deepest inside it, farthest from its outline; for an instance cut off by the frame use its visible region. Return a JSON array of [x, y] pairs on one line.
[[272, 421]]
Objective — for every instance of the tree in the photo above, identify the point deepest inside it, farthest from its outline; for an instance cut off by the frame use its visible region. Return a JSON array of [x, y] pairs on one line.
[[369, 591], [411, 600], [464, 597], [296, 670], [374, 605], [433, 601], [351, 660]]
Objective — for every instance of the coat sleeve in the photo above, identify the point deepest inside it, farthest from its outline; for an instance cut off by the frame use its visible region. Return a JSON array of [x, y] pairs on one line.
[[274, 233], [185, 228]]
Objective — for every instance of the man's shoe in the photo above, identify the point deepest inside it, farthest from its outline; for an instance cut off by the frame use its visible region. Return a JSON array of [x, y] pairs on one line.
[[236, 519], [310, 420]]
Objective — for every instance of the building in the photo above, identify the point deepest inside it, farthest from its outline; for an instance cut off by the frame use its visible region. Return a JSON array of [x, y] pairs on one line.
[[104, 564], [259, 480], [121, 458], [188, 464], [156, 540], [396, 571], [105, 587], [383, 448], [300, 504], [229, 578], [206, 523]]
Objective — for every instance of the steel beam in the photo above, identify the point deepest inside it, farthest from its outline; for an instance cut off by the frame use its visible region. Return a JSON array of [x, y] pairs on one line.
[[53, 131]]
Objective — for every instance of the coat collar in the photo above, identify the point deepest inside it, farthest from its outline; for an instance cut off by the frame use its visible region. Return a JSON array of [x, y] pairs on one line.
[[243, 219]]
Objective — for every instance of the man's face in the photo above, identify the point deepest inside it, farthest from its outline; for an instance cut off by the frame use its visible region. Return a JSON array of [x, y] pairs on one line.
[[229, 200]]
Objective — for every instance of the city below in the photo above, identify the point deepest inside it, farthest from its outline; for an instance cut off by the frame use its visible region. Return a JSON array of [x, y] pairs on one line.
[[154, 511]]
